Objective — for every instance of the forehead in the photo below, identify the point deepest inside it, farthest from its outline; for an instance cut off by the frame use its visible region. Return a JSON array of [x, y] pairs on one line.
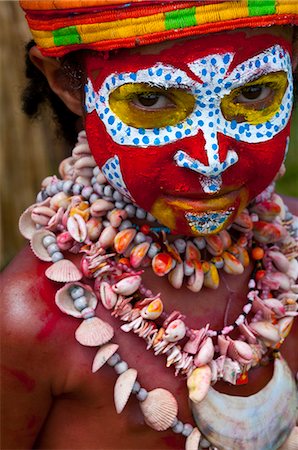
[[243, 44]]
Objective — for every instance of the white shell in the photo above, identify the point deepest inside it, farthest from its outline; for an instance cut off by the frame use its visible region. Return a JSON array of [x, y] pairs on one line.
[[63, 271], [107, 295], [176, 276], [193, 440], [128, 285], [123, 388], [266, 331], [65, 302], [93, 332], [175, 331], [103, 354], [159, 409], [198, 383], [37, 246], [259, 422]]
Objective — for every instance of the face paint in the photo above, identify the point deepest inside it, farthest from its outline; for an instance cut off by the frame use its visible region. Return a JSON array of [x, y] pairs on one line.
[[195, 132]]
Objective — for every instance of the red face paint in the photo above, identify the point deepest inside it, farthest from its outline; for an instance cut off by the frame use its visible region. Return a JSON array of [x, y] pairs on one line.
[[152, 176]]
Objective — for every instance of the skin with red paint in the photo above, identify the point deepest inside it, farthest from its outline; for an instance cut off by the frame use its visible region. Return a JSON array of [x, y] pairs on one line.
[[51, 400], [151, 174]]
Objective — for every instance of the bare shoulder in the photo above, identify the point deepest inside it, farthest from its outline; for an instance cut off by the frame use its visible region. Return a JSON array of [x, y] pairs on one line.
[[38, 349]]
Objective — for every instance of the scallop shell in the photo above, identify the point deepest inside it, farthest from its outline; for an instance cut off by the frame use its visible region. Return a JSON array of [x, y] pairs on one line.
[[103, 354], [193, 440], [198, 383], [159, 409], [292, 441], [65, 302], [93, 332], [37, 246], [63, 271], [26, 225], [261, 421], [123, 388]]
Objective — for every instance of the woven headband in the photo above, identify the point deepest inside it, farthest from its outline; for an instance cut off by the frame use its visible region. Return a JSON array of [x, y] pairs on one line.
[[61, 26]]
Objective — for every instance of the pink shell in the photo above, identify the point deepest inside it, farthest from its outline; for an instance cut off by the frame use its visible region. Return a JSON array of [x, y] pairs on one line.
[[267, 210], [240, 351], [93, 332], [37, 246], [128, 285], [123, 388], [117, 216], [63, 271], [159, 409], [107, 295], [102, 355], [225, 239], [65, 303], [205, 354], [138, 254], [243, 222]]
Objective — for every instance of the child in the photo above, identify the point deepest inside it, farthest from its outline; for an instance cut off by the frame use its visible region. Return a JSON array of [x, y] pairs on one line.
[[168, 238]]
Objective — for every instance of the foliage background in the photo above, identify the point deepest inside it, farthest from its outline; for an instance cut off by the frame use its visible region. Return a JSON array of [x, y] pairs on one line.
[[31, 150]]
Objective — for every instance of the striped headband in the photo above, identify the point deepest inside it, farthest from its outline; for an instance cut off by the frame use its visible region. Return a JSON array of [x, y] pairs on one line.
[[61, 26]]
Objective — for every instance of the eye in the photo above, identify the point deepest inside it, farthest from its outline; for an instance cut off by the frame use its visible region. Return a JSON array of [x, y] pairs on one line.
[[251, 94], [152, 101]]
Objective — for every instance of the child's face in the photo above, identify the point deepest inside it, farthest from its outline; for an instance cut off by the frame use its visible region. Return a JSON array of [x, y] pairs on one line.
[[195, 130]]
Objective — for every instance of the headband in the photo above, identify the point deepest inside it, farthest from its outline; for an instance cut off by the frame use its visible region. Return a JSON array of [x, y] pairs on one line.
[[61, 26]]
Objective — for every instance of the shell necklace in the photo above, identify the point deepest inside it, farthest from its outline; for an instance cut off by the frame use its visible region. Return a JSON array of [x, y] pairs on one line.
[[82, 213]]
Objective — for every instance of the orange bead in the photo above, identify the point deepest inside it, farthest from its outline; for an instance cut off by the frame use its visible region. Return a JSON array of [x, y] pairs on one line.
[[260, 274], [257, 253]]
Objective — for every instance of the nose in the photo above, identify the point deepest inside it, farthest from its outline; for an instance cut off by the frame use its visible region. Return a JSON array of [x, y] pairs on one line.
[[214, 168]]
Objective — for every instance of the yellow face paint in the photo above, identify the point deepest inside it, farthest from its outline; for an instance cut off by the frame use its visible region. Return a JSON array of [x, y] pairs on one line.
[[243, 105], [142, 106]]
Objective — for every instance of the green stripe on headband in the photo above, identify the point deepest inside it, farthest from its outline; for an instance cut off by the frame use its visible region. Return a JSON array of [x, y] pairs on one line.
[[66, 36], [261, 8], [180, 19]]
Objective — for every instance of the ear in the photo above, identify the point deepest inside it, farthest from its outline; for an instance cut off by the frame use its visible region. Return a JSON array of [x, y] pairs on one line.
[[58, 82]]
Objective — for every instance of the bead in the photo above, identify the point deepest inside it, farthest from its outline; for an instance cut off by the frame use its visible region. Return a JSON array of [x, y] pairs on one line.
[[178, 428], [120, 205], [49, 190], [87, 191], [80, 303], [139, 238], [98, 188], [117, 196], [130, 209], [93, 198], [150, 218], [200, 243], [125, 224], [93, 180], [145, 229], [44, 195], [53, 248], [96, 171], [108, 191], [260, 274], [187, 429], [140, 213], [77, 292], [251, 284], [175, 421], [67, 186], [39, 197], [121, 367], [153, 250], [60, 185], [204, 443], [77, 188], [57, 256], [180, 245], [113, 360], [48, 240], [257, 253], [142, 395], [136, 387]]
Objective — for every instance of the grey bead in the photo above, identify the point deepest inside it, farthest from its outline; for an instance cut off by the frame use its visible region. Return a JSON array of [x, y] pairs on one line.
[[87, 191], [67, 187], [136, 387], [60, 185], [204, 443], [77, 188], [126, 199], [49, 190], [96, 171], [180, 245], [77, 292], [93, 180], [139, 238], [142, 395], [57, 256], [119, 205], [125, 224], [150, 218], [53, 248], [188, 270], [200, 243], [178, 428], [117, 196], [44, 194], [80, 303], [175, 421], [130, 209], [98, 188], [187, 429], [93, 198], [121, 367], [48, 240], [153, 250], [54, 189], [140, 213], [39, 197], [113, 360], [108, 191]]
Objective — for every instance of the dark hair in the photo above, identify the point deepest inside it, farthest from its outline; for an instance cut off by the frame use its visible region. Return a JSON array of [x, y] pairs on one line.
[[37, 94]]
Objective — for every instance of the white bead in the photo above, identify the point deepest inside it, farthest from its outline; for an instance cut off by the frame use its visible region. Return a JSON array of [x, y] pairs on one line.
[[80, 303], [48, 240], [131, 210], [180, 245], [142, 395], [204, 443], [53, 248], [113, 360], [140, 213], [187, 429], [178, 428], [136, 387], [57, 256], [125, 224], [121, 367], [76, 292], [119, 205], [139, 238]]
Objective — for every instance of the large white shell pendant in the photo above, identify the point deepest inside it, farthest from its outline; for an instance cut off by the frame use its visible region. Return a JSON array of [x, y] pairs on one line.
[[262, 421]]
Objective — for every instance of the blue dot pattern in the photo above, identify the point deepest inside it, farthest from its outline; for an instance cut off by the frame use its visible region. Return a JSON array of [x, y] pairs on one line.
[[112, 171], [206, 223]]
